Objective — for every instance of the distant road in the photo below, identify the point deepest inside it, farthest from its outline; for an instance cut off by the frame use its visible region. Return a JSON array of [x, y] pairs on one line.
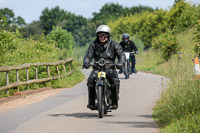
[[66, 111]]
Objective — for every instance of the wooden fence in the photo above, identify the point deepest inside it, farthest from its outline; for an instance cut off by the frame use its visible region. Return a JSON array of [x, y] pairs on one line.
[[36, 80]]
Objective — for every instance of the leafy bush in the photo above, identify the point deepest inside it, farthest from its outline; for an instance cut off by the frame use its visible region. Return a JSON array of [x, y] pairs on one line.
[[149, 25], [170, 49], [8, 43], [188, 18], [197, 40], [146, 25], [166, 43], [175, 13], [62, 38], [17, 51]]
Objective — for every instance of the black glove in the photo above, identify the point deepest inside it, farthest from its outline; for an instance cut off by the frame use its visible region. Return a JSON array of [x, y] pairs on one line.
[[86, 65], [119, 65]]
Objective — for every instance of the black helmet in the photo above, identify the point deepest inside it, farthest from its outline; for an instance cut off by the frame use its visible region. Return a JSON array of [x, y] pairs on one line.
[[125, 35]]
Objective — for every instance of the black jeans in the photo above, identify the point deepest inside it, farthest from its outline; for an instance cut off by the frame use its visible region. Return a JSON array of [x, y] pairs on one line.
[[133, 62]]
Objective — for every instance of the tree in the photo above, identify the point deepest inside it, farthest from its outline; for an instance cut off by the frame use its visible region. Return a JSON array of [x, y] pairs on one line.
[[20, 21], [8, 20], [108, 12], [139, 9], [111, 11], [9, 14], [33, 29], [86, 34], [51, 17], [71, 22]]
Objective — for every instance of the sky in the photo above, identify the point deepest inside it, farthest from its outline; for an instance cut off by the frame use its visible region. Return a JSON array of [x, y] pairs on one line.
[[31, 10]]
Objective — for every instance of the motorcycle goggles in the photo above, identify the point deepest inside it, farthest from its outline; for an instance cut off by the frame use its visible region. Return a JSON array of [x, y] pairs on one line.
[[105, 35], [125, 39]]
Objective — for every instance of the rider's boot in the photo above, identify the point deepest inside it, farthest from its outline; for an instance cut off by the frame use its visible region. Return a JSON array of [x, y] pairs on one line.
[[133, 70], [91, 98], [117, 89], [120, 71], [114, 95]]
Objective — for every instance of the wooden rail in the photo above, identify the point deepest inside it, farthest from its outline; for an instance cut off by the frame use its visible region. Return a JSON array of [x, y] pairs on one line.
[[7, 69]]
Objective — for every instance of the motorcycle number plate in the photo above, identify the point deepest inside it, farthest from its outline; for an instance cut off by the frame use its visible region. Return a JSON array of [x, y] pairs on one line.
[[127, 55], [101, 74]]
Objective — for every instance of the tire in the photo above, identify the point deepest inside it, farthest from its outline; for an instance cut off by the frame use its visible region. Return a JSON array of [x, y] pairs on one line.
[[101, 106], [126, 72]]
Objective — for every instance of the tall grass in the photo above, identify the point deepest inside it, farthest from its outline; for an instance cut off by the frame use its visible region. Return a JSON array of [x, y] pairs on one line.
[[149, 61], [178, 109]]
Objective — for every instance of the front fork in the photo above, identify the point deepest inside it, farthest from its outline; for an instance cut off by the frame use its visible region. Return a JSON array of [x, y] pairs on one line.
[[100, 82], [128, 64], [106, 91]]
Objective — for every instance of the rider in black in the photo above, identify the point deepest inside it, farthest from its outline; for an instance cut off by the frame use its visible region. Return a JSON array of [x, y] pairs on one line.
[[103, 47], [128, 46]]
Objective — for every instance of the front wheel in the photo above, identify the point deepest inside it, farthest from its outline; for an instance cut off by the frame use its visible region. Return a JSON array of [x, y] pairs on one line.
[[126, 71], [101, 105]]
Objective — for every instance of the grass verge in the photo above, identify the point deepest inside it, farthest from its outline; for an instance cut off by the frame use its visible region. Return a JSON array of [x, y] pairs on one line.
[[178, 109], [68, 81]]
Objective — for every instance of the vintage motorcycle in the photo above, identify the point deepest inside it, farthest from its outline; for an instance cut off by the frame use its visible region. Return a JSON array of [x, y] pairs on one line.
[[103, 100], [127, 68]]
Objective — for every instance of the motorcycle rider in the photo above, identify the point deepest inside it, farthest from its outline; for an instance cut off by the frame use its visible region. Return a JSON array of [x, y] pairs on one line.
[[103, 47], [128, 46]]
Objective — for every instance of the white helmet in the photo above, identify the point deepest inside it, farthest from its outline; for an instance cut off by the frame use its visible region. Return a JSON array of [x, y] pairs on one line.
[[103, 28]]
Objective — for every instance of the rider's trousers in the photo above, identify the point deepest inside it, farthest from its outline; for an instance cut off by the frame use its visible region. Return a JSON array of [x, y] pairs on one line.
[[133, 62]]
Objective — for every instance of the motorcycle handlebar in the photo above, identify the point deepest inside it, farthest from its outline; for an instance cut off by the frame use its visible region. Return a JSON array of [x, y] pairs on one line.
[[111, 65], [133, 52], [102, 62]]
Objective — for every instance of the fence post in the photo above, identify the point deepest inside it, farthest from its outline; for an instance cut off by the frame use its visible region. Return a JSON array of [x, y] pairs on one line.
[[17, 78], [64, 69], [27, 77], [58, 70], [48, 71], [7, 81], [36, 73]]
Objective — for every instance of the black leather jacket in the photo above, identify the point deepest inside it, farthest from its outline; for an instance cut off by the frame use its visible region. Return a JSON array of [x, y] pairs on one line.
[[128, 46], [109, 51]]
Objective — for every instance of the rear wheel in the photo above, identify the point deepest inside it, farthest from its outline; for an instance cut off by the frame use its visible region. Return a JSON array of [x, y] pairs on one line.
[[101, 105], [126, 72]]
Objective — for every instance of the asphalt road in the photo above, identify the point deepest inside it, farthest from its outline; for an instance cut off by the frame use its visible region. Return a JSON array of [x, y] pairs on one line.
[[66, 111]]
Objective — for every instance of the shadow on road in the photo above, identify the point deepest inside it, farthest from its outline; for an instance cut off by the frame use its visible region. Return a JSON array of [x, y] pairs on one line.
[[146, 116], [79, 115], [134, 124], [125, 79], [122, 79]]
